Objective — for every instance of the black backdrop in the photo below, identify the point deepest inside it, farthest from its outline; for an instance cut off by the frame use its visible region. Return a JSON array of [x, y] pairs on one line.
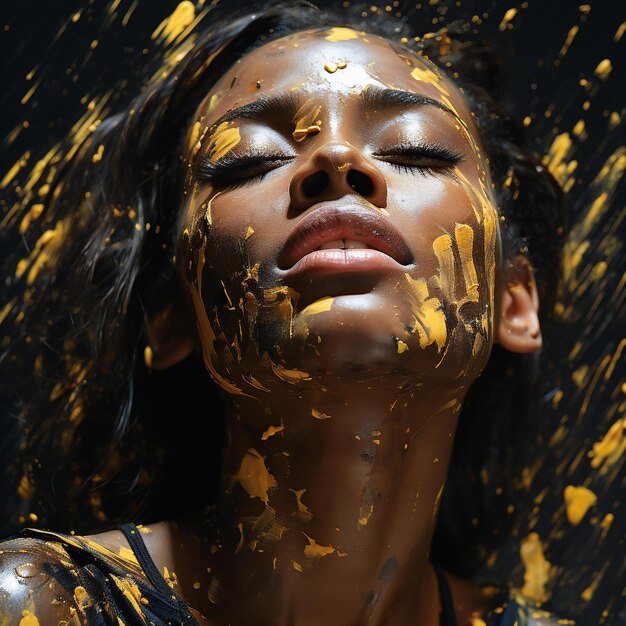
[[50, 63]]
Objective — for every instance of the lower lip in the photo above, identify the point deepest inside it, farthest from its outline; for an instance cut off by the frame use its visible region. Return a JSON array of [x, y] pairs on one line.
[[340, 261]]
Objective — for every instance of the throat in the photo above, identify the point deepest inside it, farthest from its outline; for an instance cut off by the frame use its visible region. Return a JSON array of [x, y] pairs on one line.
[[327, 516]]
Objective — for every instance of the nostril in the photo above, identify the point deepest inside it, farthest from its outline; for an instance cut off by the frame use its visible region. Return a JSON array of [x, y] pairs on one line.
[[360, 182], [315, 184]]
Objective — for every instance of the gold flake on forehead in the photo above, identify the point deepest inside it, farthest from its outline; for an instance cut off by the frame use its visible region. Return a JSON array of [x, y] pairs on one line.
[[339, 33], [331, 68]]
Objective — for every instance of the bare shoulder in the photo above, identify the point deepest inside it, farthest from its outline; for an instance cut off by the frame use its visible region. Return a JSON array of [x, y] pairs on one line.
[[30, 588]]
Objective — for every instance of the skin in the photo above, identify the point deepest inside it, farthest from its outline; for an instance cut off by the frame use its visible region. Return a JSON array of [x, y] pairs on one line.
[[340, 420]]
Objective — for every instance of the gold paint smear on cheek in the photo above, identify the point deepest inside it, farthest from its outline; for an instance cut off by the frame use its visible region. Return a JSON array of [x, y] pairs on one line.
[[319, 306], [306, 120], [339, 33], [254, 477], [537, 569], [464, 235], [578, 500], [169, 29], [224, 140], [430, 321], [315, 550], [445, 256]]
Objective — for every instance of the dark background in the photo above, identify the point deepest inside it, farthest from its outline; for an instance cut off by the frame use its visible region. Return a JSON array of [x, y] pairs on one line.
[[585, 392]]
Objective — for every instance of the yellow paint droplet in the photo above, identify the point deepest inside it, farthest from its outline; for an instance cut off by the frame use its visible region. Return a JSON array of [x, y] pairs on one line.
[[319, 415], [196, 585], [297, 566], [578, 501], [506, 20], [147, 356], [402, 347], [537, 569], [603, 69], [249, 233]]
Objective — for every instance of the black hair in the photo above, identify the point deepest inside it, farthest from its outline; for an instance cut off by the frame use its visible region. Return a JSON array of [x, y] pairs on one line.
[[103, 439]]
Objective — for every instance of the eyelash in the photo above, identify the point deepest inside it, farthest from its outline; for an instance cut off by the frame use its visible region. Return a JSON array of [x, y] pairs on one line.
[[433, 152], [221, 173]]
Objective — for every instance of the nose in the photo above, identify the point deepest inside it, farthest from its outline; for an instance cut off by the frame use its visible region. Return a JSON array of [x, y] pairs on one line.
[[334, 170]]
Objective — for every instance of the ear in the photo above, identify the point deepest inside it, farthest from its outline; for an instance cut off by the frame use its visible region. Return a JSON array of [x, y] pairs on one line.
[[169, 339], [517, 323]]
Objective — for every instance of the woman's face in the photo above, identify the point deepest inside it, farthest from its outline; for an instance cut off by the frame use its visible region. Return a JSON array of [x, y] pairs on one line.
[[320, 141]]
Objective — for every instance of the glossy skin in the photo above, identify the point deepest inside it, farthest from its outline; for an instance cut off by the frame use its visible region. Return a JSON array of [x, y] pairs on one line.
[[340, 418]]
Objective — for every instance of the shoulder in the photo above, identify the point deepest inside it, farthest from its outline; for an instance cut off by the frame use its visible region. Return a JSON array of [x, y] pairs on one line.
[[33, 577]]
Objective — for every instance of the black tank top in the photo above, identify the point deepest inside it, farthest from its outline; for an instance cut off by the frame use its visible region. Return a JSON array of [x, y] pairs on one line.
[[120, 597]]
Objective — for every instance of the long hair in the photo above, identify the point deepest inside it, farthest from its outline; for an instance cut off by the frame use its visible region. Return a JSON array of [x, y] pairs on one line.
[[101, 438]]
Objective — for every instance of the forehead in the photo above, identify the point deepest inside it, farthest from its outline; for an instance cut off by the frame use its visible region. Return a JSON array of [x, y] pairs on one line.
[[331, 62]]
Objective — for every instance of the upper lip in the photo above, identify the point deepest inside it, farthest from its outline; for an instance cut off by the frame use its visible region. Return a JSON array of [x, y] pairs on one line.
[[329, 223]]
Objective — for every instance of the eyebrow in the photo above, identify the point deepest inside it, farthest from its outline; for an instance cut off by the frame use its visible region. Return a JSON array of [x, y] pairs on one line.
[[287, 104]]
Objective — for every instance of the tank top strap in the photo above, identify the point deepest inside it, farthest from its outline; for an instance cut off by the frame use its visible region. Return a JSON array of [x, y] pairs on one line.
[[448, 616], [137, 545]]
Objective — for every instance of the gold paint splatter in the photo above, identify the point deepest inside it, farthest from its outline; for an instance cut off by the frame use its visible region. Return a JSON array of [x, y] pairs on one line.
[[303, 511], [97, 156], [573, 31], [224, 139], [28, 619], [271, 431], [507, 19], [319, 306], [147, 356], [297, 566], [315, 550], [430, 321], [603, 69], [319, 415], [610, 448], [339, 33], [306, 120], [402, 347], [290, 376], [578, 500], [537, 569], [254, 477], [445, 256], [171, 27], [249, 233], [426, 75]]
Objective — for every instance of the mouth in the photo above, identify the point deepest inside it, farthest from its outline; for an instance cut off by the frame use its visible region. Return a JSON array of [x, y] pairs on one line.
[[343, 239]]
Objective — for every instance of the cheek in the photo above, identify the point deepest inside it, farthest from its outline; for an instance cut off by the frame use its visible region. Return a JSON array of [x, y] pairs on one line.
[[450, 297], [240, 316]]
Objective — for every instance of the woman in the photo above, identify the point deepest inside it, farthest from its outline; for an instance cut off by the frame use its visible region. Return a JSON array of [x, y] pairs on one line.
[[349, 233]]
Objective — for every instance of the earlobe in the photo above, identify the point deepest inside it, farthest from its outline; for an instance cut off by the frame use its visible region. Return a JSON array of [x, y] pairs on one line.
[[169, 341], [517, 326]]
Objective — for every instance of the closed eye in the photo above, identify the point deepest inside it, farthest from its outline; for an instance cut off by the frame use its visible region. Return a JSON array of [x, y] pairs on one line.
[[419, 159], [235, 171]]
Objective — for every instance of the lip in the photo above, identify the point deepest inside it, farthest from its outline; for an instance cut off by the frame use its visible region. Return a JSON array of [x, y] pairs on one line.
[[388, 249]]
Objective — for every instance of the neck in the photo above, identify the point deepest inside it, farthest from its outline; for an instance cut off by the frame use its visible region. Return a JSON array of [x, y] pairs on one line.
[[329, 503]]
